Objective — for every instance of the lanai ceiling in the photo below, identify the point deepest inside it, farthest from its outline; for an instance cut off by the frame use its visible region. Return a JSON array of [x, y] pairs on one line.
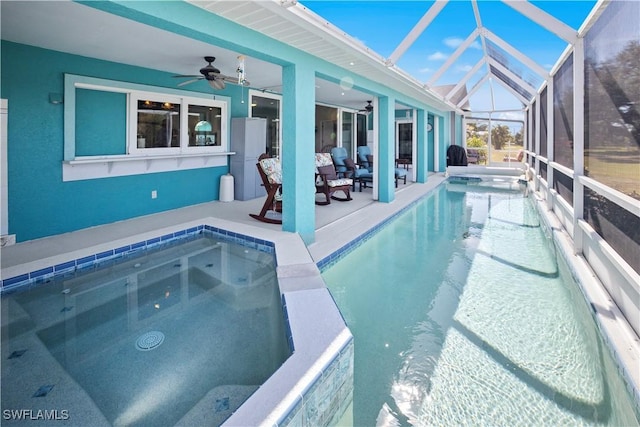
[[76, 28]]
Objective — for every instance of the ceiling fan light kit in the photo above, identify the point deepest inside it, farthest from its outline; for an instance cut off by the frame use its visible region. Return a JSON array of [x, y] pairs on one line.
[[368, 108]]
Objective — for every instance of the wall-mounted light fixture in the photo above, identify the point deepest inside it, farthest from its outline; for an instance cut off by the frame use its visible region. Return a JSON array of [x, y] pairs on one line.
[[56, 98]]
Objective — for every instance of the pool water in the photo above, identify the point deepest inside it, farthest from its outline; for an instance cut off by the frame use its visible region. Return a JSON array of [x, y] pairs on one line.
[[463, 315], [183, 335]]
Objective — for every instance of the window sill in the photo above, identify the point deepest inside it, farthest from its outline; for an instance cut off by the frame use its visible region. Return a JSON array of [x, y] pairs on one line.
[[93, 167]]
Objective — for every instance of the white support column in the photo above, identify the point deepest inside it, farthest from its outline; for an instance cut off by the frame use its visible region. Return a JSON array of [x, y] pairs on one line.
[[4, 176], [464, 131], [436, 143], [532, 145], [414, 143], [489, 146], [549, 142], [578, 142], [536, 143], [376, 142]]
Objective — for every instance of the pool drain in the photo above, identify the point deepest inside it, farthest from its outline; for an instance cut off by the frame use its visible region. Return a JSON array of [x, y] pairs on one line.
[[149, 340]]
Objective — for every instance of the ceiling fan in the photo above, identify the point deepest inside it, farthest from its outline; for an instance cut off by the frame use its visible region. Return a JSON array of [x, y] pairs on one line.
[[213, 76], [368, 108]]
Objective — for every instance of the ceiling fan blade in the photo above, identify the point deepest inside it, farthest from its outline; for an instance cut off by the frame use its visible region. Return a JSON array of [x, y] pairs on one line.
[[229, 79], [232, 79], [189, 75], [189, 81], [217, 83]]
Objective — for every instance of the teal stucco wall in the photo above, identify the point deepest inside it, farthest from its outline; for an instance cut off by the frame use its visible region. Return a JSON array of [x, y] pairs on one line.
[[40, 203]]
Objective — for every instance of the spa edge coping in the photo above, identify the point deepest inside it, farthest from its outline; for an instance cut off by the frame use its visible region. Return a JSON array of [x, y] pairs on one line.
[[317, 328]]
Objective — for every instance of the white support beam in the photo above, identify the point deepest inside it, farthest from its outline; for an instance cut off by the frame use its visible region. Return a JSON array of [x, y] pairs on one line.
[[493, 97], [544, 19], [473, 90], [476, 13], [513, 92], [417, 30], [463, 46], [517, 54], [512, 76], [465, 79]]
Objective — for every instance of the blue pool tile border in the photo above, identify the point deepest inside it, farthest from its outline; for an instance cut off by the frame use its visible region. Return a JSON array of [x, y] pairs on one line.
[[45, 274], [334, 257]]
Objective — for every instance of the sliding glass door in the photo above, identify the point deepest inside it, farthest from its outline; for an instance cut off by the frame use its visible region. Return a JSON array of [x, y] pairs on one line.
[[404, 140], [348, 132], [269, 106]]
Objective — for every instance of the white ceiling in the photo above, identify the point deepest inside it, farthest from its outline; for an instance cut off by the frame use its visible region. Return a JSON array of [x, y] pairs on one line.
[[81, 30]]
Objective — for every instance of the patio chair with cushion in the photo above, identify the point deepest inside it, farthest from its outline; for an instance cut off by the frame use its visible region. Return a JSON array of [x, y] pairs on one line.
[[365, 159], [339, 154], [328, 182], [473, 156], [347, 168], [361, 175], [270, 171]]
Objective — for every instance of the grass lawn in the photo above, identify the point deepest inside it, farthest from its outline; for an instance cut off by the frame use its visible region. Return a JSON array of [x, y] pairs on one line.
[[617, 167]]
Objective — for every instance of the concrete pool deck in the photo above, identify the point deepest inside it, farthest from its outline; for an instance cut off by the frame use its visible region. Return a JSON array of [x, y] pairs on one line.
[[323, 356], [318, 331], [336, 225]]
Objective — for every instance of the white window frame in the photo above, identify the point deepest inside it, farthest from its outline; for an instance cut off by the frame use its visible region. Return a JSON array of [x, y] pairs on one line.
[[141, 161], [184, 102]]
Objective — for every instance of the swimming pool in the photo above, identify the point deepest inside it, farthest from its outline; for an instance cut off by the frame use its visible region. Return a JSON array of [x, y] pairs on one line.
[[181, 334], [463, 314]]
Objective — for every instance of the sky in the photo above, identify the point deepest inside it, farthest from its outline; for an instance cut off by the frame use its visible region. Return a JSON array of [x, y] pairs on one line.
[[382, 25]]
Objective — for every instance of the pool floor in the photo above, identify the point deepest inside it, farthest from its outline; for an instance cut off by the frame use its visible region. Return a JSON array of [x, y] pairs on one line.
[[462, 315], [182, 335]]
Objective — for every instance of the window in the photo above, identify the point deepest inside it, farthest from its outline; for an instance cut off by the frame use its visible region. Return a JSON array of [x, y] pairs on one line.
[[158, 124], [172, 125], [348, 132], [114, 128], [205, 125]]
